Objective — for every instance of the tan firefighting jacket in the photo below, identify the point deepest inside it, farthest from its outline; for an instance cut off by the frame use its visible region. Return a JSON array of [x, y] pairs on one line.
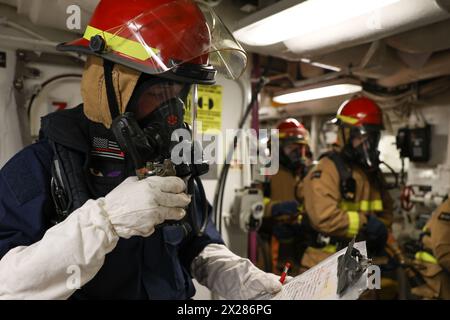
[[434, 262], [284, 186], [330, 215]]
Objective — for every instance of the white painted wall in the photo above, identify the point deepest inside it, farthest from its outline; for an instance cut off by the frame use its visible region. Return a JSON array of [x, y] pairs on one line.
[[436, 172], [10, 135], [66, 90], [436, 113]]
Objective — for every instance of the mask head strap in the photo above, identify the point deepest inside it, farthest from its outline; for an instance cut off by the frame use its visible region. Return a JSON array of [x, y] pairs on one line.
[[108, 67]]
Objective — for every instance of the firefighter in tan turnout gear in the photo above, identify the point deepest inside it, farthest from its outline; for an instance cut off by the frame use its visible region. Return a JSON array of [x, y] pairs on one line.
[[344, 194], [433, 260], [283, 196]]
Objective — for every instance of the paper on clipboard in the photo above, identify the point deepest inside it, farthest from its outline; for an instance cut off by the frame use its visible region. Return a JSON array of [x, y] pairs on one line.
[[320, 282]]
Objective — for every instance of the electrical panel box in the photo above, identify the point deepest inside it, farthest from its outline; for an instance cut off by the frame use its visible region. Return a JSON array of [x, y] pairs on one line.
[[415, 144]]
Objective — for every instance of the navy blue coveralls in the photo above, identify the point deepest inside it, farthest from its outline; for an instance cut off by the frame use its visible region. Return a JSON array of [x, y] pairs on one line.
[[156, 267]]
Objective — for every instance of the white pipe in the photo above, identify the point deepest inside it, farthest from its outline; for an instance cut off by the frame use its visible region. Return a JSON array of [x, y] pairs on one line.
[[55, 14], [26, 43], [448, 143], [24, 30], [315, 128], [35, 45]]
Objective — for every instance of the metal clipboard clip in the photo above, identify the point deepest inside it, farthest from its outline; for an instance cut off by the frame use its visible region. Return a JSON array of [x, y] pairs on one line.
[[351, 266]]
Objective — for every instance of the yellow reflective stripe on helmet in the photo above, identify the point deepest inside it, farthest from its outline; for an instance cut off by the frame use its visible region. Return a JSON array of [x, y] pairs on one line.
[[375, 205], [331, 248], [353, 223], [348, 119], [129, 47], [426, 257]]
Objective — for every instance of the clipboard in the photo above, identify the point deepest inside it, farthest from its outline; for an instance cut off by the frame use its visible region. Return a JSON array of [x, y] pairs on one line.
[[342, 276]]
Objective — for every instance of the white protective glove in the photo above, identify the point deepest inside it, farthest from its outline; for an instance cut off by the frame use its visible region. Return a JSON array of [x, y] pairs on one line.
[[136, 207], [231, 276], [79, 244]]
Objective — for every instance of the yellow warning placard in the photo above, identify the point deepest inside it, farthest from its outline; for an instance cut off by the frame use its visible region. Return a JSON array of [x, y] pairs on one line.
[[209, 110]]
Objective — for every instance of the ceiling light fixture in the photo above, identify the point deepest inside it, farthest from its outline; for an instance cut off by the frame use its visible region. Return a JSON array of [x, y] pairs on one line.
[[304, 18], [322, 91], [321, 65]]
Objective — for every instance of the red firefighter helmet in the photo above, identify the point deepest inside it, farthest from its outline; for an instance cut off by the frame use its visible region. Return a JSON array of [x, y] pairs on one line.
[[361, 119], [292, 130], [360, 111], [177, 39]]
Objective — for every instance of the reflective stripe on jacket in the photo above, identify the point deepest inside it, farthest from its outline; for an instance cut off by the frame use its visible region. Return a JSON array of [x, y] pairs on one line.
[[434, 262]]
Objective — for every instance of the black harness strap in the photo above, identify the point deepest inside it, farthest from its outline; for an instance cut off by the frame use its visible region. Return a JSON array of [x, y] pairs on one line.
[[348, 191], [108, 67], [62, 199], [347, 183], [69, 192]]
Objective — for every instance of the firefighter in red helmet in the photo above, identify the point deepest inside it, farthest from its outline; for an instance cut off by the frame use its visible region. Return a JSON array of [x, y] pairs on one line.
[[344, 194], [75, 220], [283, 196], [295, 154]]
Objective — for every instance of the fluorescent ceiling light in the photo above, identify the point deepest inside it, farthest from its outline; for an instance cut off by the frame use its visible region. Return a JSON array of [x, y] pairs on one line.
[[320, 65], [305, 18], [317, 93], [326, 66]]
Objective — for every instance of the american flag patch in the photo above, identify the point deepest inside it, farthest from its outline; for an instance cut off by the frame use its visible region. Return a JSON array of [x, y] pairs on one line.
[[106, 148]]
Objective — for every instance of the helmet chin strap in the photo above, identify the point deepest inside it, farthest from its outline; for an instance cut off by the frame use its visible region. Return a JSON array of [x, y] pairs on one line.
[[194, 110], [108, 67]]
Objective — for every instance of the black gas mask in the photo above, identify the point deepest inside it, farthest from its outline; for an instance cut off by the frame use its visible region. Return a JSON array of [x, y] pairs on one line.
[[293, 156], [366, 153], [148, 132], [158, 107]]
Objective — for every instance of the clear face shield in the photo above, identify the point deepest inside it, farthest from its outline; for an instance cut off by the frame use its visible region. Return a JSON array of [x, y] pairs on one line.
[[186, 42], [172, 35], [181, 40], [365, 141]]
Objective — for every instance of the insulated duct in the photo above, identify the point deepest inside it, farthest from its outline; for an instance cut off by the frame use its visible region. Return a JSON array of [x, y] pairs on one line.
[[400, 16], [327, 28]]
